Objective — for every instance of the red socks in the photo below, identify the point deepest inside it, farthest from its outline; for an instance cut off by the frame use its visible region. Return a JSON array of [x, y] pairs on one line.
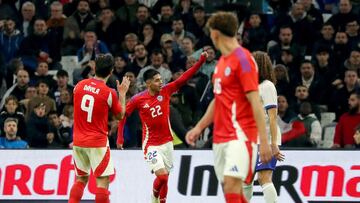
[[102, 195], [235, 198], [76, 192], [160, 187]]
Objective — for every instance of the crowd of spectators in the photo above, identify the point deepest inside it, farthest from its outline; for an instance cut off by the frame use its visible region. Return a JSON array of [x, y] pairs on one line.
[[46, 47]]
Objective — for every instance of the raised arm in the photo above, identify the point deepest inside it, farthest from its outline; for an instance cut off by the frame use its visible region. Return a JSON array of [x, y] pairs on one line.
[[175, 85], [122, 89]]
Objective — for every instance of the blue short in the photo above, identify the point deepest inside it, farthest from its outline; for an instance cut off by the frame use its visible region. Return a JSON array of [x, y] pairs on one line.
[[269, 166]]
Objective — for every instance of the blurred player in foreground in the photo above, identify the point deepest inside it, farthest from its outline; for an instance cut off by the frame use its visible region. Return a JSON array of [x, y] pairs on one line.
[[154, 109], [268, 97], [236, 111], [92, 102]]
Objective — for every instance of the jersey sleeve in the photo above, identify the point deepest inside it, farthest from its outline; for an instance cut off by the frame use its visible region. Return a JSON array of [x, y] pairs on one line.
[[187, 75], [131, 105], [269, 96], [114, 103], [247, 72], [120, 131]]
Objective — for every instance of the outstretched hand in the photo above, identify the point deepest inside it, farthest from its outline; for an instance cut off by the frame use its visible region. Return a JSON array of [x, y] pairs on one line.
[[192, 136], [124, 86], [204, 55]]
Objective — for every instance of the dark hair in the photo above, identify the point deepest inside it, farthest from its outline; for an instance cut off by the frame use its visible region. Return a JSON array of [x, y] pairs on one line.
[[104, 65], [11, 98], [149, 74], [144, 6], [225, 22], [41, 81], [52, 113], [62, 73], [265, 67]]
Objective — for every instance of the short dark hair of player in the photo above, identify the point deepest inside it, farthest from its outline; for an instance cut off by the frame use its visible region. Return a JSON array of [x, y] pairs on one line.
[[104, 65], [149, 74], [225, 22], [265, 67]]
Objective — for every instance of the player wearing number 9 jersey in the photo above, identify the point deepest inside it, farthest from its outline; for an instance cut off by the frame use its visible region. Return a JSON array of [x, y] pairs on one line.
[[153, 105], [92, 102]]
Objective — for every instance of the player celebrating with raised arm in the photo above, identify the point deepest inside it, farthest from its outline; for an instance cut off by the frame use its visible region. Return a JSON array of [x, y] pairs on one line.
[[153, 105], [92, 102], [236, 111], [268, 97]]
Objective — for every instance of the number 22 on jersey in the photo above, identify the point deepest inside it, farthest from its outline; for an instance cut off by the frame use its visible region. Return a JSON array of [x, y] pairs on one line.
[[156, 111], [87, 105]]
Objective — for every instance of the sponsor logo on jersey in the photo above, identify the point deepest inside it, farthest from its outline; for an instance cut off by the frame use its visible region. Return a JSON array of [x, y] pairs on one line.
[[160, 98]]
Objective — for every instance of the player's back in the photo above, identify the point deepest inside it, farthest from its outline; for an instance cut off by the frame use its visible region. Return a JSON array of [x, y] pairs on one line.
[[92, 101]]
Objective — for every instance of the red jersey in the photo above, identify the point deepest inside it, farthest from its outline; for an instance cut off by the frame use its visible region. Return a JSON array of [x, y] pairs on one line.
[[154, 111], [234, 76], [92, 101]]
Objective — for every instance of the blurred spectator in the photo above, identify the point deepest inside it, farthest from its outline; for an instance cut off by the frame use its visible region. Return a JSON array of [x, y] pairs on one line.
[[128, 46], [282, 81], [173, 57], [187, 47], [327, 37], [199, 81], [178, 32], [62, 81], [313, 15], [127, 12], [279, 7], [196, 25], [27, 18], [65, 99], [92, 47], [291, 63], [255, 35], [285, 42], [142, 16], [106, 28], [302, 95], [79, 20], [37, 127], [87, 70], [341, 48], [184, 9], [10, 40], [133, 89], [42, 97], [29, 94], [353, 62], [55, 25], [340, 19], [8, 11], [67, 116], [339, 100], [311, 123], [209, 66], [157, 60], [186, 101], [120, 68], [285, 114], [61, 136], [42, 73], [312, 80], [357, 137], [12, 68], [352, 30], [12, 110], [346, 127], [11, 141], [165, 22], [37, 47], [19, 88], [140, 60], [149, 37]]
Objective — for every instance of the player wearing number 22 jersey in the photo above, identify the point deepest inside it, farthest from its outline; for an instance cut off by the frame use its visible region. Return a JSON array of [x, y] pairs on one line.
[[153, 105]]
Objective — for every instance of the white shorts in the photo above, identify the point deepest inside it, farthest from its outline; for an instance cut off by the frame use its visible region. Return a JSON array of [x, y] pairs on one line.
[[236, 159], [160, 156], [97, 159]]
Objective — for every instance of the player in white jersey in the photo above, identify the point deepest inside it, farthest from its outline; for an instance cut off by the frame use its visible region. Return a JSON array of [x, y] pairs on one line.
[[268, 97]]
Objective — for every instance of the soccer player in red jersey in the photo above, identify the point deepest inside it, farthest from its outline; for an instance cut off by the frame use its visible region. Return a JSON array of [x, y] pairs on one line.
[[92, 102], [236, 111], [153, 105]]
